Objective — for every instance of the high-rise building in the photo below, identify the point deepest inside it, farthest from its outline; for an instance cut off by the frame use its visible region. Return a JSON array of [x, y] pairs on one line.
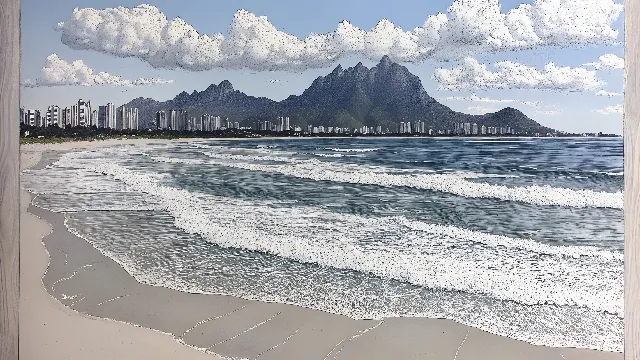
[[161, 120], [192, 124], [73, 115], [102, 117], [173, 120], [199, 124], [205, 122], [84, 113], [111, 116], [94, 118], [183, 120], [474, 129], [89, 113], [39, 119], [53, 116], [129, 118], [30, 117], [66, 117], [467, 128]]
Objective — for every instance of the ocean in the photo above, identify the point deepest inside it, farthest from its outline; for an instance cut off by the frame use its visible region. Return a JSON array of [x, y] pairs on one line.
[[520, 237]]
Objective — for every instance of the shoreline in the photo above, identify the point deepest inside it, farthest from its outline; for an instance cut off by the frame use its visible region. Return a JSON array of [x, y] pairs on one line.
[[51, 330], [44, 141], [235, 327]]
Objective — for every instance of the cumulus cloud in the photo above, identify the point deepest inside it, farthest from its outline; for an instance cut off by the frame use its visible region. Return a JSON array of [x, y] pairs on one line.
[[610, 61], [616, 109], [58, 72], [480, 110], [548, 112], [607, 93], [467, 28], [476, 98], [470, 74]]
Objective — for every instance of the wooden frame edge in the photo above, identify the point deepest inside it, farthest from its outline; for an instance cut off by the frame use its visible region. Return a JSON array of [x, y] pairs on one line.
[[631, 181], [10, 182], [9, 178]]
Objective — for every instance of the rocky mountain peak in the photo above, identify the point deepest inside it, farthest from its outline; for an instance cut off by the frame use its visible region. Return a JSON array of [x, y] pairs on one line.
[[354, 97]]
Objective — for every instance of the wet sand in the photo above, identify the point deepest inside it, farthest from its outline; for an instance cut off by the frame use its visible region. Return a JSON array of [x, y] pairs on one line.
[[85, 287]]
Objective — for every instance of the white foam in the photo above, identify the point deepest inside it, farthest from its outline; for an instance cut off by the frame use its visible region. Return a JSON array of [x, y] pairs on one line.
[[329, 155], [450, 183], [351, 150], [428, 255]]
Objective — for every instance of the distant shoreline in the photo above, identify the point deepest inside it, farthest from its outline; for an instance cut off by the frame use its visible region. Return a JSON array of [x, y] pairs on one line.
[[50, 140]]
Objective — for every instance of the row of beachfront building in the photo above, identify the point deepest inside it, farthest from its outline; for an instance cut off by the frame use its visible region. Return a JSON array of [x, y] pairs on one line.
[[82, 114]]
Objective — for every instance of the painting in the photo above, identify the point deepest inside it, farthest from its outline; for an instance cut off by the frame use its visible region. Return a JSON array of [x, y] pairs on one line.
[[322, 180]]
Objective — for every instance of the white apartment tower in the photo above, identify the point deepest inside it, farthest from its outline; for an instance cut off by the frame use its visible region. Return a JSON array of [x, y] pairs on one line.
[[173, 120], [53, 116], [30, 117], [73, 115], [66, 117], [129, 118], [111, 115], [84, 113]]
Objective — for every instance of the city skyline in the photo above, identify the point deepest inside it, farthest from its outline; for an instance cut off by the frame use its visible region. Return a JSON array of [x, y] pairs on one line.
[[126, 118], [80, 114]]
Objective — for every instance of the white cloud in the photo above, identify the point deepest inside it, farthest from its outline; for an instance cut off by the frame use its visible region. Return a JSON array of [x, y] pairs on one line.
[[610, 61], [470, 74], [548, 112], [617, 109], [58, 72], [476, 98], [607, 93], [480, 110], [468, 28]]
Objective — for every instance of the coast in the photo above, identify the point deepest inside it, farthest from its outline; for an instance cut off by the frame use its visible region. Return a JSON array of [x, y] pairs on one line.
[[70, 290]]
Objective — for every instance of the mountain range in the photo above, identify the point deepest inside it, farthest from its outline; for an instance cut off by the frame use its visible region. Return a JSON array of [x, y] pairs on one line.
[[384, 95]]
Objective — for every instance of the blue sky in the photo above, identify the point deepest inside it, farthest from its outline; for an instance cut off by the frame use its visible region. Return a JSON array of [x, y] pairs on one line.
[[560, 109]]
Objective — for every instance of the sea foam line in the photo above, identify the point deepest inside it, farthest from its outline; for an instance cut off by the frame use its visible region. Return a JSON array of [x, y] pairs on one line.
[[430, 260], [456, 184]]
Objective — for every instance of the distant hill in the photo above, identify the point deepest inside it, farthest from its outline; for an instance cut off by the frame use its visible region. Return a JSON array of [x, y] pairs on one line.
[[384, 95]]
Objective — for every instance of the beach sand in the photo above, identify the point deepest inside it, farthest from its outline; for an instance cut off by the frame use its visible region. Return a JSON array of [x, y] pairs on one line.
[[76, 303]]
